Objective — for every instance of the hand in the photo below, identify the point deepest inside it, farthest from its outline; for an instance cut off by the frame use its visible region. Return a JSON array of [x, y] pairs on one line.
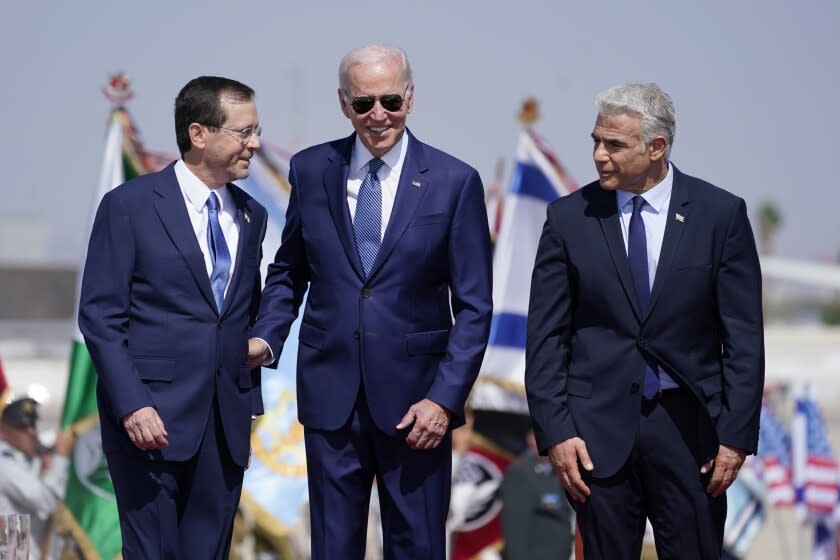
[[564, 457], [430, 423], [64, 442], [727, 464], [145, 429], [258, 352]]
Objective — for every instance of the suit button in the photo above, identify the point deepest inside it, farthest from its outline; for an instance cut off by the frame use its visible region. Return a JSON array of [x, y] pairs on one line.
[[356, 335], [366, 294], [634, 388], [219, 325]]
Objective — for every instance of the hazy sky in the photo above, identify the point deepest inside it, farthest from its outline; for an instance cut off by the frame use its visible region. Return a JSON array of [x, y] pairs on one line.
[[756, 88]]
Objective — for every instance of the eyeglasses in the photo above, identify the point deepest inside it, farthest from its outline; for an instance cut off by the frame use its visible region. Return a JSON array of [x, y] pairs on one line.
[[391, 102], [243, 135]]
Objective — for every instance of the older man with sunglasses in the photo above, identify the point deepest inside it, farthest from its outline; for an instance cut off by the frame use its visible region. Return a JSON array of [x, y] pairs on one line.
[[390, 236]]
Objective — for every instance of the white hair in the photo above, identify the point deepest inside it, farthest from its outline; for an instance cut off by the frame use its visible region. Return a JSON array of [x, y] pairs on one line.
[[372, 54], [649, 103]]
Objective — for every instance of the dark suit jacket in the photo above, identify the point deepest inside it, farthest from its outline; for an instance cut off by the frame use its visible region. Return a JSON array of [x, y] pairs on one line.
[[587, 339], [150, 321], [395, 328]]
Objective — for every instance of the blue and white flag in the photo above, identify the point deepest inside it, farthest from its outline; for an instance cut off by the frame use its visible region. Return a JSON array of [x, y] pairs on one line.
[[537, 179]]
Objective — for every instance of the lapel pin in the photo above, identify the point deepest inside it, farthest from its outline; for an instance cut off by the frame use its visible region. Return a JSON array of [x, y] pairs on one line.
[[415, 184], [248, 217], [680, 218]]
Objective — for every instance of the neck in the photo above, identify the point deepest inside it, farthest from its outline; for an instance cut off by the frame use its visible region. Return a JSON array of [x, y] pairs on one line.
[[195, 165]]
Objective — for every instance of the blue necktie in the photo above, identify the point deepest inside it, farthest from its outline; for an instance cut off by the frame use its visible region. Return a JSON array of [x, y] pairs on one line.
[[219, 253], [367, 224], [638, 258]]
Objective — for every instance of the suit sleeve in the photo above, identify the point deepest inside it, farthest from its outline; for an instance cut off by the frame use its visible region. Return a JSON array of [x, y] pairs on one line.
[[104, 305], [739, 306], [547, 344], [287, 278], [471, 289]]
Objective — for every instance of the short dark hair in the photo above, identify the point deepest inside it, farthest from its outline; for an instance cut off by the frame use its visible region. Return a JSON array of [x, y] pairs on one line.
[[200, 102]]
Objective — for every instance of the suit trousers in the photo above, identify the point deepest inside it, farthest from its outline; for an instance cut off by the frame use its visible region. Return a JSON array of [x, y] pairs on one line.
[[661, 480], [413, 487], [179, 510]]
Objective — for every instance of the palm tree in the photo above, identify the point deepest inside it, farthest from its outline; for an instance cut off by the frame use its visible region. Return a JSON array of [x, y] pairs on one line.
[[769, 222]]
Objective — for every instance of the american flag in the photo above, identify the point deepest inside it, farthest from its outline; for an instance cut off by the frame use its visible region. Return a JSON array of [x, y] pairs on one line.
[[815, 473], [774, 454]]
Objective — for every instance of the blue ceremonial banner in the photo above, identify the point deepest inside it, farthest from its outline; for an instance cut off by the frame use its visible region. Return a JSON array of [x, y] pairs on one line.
[[275, 489], [537, 178]]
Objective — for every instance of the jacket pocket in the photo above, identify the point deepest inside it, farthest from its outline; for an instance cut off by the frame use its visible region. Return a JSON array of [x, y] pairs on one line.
[[579, 387], [155, 369], [430, 342], [311, 335], [428, 219]]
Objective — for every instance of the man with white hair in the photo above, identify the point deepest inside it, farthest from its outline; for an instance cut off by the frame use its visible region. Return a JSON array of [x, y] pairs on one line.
[[645, 350], [390, 236]]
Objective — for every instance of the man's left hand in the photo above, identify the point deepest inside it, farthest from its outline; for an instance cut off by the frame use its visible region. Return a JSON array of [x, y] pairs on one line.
[[726, 466], [430, 424]]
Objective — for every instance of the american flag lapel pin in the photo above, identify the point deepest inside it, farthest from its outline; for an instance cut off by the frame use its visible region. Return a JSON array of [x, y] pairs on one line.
[[680, 218], [416, 183]]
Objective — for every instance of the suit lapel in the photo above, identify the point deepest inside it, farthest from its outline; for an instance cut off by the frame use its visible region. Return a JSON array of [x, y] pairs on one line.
[[410, 191], [173, 214], [243, 218], [674, 228], [606, 209], [335, 185]]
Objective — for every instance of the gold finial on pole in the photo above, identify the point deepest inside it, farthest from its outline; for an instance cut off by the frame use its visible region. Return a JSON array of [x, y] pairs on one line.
[[530, 112]]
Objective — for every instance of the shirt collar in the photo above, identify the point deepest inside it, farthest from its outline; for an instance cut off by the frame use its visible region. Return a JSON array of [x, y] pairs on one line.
[[361, 155], [7, 449], [656, 197], [196, 192]]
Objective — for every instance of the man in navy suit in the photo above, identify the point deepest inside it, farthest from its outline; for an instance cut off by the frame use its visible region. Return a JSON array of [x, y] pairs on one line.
[[170, 290], [645, 350], [390, 235]]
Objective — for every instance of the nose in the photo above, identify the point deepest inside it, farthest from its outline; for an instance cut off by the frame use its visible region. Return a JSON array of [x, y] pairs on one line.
[[599, 153], [253, 142], [378, 111]]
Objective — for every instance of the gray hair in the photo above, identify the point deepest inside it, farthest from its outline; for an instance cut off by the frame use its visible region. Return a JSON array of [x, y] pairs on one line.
[[372, 54], [649, 103]]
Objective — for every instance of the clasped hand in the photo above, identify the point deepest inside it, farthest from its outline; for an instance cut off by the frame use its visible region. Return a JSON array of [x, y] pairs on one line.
[[430, 424], [145, 429]]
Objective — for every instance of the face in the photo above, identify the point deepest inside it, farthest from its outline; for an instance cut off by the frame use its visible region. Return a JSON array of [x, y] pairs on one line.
[[22, 439], [621, 158], [227, 157], [378, 129]]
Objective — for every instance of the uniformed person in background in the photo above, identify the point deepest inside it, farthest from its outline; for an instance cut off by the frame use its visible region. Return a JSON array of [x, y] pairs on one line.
[[31, 481], [536, 516]]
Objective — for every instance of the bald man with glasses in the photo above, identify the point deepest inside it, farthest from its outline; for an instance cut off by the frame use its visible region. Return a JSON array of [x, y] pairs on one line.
[[390, 236]]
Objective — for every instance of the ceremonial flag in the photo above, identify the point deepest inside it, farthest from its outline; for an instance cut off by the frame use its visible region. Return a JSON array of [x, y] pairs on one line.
[[90, 512], [498, 397], [537, 179], [774, 452], [275, 486], [815, 475]]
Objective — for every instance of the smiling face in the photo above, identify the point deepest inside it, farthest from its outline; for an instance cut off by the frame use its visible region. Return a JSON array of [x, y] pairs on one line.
[[622, 159], [378, 129], [228, 156]]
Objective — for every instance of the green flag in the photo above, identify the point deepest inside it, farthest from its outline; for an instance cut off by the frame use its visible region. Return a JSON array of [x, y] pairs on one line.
[[90, 512]]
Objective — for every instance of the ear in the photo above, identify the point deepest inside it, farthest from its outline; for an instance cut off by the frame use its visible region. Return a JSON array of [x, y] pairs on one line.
[[656, 148], [198, 136], [345, 105], [409, 99]]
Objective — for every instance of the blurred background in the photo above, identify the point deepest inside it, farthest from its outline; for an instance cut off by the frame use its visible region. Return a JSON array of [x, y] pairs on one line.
[[755, 87]]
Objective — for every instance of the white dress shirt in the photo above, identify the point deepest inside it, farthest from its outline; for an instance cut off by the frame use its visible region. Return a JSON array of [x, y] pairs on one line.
[[389, 176], [196, 194], [655, 216]]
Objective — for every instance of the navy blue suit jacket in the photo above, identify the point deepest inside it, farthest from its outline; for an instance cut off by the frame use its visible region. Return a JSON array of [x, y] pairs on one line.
[[393, 329], [587, 338], [150, 321]]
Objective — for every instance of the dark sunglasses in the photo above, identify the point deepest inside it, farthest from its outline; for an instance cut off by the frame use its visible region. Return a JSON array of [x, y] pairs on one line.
[[391, 102]]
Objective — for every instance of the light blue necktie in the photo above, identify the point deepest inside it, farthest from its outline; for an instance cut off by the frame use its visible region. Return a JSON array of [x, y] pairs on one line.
[[638, 259], [367, 224], [219, 253]]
